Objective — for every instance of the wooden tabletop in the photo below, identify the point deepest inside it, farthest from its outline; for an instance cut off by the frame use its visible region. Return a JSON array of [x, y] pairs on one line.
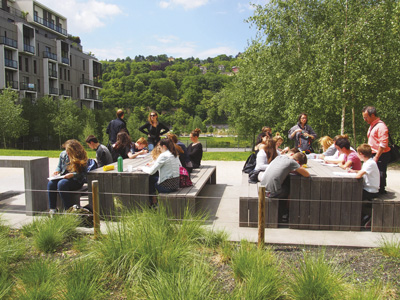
[[134, 162], [318, 169]]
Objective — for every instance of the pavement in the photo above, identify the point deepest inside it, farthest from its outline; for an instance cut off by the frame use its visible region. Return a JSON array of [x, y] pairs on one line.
[[221, 201]]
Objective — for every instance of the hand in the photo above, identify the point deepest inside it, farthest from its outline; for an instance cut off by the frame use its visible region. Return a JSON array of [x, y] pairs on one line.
[[56, 173], [68, 176], [298, 130], [376, 158]]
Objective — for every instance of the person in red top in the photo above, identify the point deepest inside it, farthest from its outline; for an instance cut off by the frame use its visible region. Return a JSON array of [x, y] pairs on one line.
[[378, 139]]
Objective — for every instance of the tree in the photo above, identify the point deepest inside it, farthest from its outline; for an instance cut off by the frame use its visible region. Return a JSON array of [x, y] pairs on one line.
[[12, 125]]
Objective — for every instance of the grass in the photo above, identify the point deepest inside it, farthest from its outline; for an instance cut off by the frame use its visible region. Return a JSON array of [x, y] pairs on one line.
[[390, 248]]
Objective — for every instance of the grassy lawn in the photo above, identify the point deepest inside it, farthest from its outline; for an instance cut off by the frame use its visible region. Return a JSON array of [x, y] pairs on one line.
[[225, 156]]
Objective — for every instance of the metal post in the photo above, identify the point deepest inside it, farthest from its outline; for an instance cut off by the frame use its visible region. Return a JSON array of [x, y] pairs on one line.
[[96, 215], [261, 216]]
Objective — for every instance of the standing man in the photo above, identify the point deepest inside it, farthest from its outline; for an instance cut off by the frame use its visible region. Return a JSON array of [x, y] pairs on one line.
[[115, 126], [103, 155], [378, 139]]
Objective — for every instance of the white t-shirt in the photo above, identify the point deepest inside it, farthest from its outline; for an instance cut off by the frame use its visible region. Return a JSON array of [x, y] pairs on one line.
[[371, 176]]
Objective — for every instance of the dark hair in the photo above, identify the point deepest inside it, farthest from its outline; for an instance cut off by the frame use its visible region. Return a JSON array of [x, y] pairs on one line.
[[344, 136], [260, 137], [365, 150], [270, 150], [120, 113], [123, 140], [196, 132], [91, 138], [174, 139], [300, 115], [343, 143], [370, 109], [300, 157], [170, 146]]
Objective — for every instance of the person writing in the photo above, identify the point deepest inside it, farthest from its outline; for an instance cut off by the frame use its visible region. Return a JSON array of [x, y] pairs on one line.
[[302, 134], [103, 155], [350, 159], [122, 146], [73, 166], [138, 148], [153, 129]]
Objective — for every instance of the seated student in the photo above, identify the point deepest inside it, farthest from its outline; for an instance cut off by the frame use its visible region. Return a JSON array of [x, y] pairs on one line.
[[122, 146], [73, 165], [277, 181], [138, 148], [328, 146], [265, 155], [350, 159], [195, 149], [167, 164], [332, 155], [279, 141], [261, 139], [103, 155], [181, 148], [371, 180]]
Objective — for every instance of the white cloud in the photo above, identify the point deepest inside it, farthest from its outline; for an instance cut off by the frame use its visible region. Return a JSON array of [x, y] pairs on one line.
[[110, 53], [84, 16], [186, 4]]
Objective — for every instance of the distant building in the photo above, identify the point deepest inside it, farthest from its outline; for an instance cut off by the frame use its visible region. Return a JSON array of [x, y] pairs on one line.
[[38, 57], [235, 69], [203, 69], [221, 68]]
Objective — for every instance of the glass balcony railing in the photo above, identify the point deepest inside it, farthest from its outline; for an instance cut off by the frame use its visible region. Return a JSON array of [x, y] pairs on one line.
[[50, 24], [86, 81], [53, 73], [12, 84], [53, 91], [47, 54], [29, 48], [9, 42], [65, 60], [65, 92], [11, 63], [27, 86]]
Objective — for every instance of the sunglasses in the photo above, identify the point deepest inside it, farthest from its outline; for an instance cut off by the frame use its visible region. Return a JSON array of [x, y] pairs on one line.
[[153, 115]]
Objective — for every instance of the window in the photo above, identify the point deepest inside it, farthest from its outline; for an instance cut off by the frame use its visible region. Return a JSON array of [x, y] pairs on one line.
[[71, 92], [77, 92], [83, 65], [26, 64], [70, 60], [20, 63], [26, 79], [38, 85], [34, 67], [69, 77], [65, 74], [60, 73]]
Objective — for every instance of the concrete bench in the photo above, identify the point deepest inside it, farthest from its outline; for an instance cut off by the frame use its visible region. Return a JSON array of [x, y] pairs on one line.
[[36, 171], [248, 206], [186, 197], [386, 213]]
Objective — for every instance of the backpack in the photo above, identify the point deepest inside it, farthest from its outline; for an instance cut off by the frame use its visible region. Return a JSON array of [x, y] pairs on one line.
[[250, 163], [91, 165], [85, 215]]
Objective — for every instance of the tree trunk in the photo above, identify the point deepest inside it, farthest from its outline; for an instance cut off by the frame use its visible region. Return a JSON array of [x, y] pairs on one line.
[[344, 75], [354, 128]]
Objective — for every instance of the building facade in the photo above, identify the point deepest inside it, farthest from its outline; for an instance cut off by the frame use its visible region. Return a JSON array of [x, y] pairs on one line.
[[38, 57]]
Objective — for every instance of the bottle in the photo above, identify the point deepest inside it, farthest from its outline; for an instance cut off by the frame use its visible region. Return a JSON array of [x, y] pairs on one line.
[[120, 164]]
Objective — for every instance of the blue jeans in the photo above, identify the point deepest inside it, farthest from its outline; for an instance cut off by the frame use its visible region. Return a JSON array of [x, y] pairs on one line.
[[150, 147], [62, 186]]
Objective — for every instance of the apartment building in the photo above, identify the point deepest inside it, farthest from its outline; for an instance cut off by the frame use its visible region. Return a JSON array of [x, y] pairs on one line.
[[38, 57]]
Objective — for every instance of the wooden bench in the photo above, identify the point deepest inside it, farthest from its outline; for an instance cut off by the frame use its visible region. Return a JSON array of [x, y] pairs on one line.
[[248, 206], [186, 197], [386, 213], [77, 197]]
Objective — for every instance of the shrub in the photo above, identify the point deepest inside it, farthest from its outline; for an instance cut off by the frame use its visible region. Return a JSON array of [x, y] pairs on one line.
[[390, 248]]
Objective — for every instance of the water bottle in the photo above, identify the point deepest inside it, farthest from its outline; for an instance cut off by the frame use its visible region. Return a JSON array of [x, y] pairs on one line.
[[120, 164]]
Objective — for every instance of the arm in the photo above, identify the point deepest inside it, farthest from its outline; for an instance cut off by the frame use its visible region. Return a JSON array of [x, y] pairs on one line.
[[293, 132], [108, 128], [156, 166], [136, 154], [345, 165], [163, 129], [360, 174], [144, 127], [311, 133], [303, 172]]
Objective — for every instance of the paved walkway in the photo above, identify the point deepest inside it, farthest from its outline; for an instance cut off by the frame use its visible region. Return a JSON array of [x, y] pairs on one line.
[[222, 203]]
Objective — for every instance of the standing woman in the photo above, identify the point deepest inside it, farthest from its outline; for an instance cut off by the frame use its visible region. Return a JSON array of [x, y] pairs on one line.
[[195, 149], [302, 134], [153, 129], [74, 170], [167, 164]]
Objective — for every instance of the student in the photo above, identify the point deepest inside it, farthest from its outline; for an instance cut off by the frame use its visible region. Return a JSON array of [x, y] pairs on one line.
[[122, 146], [302, 134], [371, 178], [154, 129], [73, 165], [265, 155], [279, 141], [115, 126], [138, 148], [103, 155], [350, 159], [182, 151], [195, 149], [277, 181]]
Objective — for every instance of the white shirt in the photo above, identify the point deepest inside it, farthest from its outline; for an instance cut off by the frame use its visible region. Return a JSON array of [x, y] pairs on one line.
[[261, 161], [371, 177], [167, 165]]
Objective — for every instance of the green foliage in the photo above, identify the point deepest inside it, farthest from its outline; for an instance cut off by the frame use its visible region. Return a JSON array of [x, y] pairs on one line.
[[12, 125], [390, 248], [11, 249]]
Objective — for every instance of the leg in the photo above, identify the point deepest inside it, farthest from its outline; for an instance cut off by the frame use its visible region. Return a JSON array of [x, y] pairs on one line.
[[382, 165], [152, 189], [52, 194], [151, 147], [65, 185]]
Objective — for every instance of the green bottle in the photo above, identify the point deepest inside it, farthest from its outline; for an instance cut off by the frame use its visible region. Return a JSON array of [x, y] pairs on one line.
[[120, 164]]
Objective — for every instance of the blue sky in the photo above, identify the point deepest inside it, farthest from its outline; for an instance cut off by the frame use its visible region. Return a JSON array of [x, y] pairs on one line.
[[180, 28]]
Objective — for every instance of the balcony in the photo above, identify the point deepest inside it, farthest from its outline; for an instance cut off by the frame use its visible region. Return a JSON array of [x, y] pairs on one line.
[[29, 48], [65, 92], [47, 54], [86, 81], [52, 73], [65, 60], [9, 42], [12, 84], [23, 86], [50, 25], [92, 96], [53, 91], [11, 63]]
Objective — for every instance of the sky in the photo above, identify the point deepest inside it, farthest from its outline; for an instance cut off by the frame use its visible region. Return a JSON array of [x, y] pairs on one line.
[[112, 29]]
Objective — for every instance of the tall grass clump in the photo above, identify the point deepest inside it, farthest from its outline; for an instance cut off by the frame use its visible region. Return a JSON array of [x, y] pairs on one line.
[[258, 273], [317, 278], [83, 280], [39, 279], [390, 248], [147, 240], [373, 291], [192, 281], [50, 233], [12, 249], [6, 282]]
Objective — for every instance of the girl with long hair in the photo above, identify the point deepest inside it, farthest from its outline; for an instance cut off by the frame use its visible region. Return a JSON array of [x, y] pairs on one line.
[[122, 146], [153, 129], [195, 149]]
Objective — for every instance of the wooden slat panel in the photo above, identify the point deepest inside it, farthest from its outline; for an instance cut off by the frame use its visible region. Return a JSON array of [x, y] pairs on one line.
[[253, 212], [243, 212], [396, 217], [336, 197], [356, 205], [272, 206], [294, 202], [305, 195], [315, 204], [325, 206], [388, 210], [377, 216], [345, 209]]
